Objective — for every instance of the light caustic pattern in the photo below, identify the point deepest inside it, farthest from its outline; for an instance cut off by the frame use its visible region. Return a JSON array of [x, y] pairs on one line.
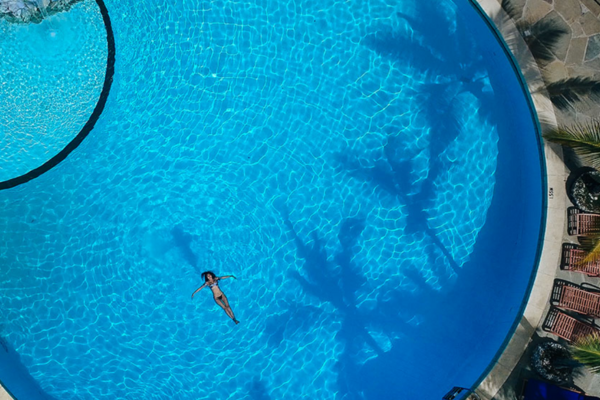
[[51, 75], [301, 146]]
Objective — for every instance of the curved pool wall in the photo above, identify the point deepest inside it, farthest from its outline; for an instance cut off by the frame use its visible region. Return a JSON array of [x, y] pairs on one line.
[[136, 220], [50, 105], [521, 173]]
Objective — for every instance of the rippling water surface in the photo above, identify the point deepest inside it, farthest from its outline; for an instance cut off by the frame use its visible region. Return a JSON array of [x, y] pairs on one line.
[[340, 158]]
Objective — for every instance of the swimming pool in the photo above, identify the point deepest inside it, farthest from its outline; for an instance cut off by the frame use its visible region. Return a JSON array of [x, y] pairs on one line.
[[369, 171]]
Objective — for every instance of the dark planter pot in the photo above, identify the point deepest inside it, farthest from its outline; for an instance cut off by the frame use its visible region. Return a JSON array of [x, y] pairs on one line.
[[552, 361], [583, 189]]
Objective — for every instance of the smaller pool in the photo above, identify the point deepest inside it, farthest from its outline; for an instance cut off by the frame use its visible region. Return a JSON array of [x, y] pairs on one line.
[[51, 76]]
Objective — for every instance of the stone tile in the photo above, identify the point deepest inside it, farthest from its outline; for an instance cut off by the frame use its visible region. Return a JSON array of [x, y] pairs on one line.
[[570, 10], [536, 9], [533, 313], [557, 184], [562, 45], [555, 71], [567, 117], [517, 345], [555, 166], [553, 239], [496, 378], [590, 24], [542, 288], [591, 6], [593, 65], [587, 107], [579, 70], [577, 49], [593, 48], [594, 384], [577, 29]]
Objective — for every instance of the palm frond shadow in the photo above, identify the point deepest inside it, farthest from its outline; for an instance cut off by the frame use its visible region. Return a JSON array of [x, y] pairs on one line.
[[511, 9], [393, 177], [541, 37], [446, 57], [565, 92], [337, 283]]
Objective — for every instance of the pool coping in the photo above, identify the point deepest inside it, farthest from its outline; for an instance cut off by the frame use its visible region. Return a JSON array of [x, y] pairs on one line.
[[555, 175]]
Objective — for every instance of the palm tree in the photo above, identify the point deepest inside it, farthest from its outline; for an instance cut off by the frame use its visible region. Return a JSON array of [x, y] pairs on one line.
[[586, 350]]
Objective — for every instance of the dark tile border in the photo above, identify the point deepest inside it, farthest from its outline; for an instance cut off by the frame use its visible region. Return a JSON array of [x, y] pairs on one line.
[[89, 125]]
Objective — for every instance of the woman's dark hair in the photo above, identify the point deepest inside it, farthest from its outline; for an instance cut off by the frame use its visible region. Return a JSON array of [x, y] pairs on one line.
[[204, 275]]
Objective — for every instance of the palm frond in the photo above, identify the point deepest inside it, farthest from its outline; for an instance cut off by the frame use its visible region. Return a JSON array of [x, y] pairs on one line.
[[541, 37], [566, 91], [591, 245], [584, 139], [586, 350]]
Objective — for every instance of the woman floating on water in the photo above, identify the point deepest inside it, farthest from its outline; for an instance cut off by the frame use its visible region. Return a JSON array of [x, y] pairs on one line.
[[212, 281]]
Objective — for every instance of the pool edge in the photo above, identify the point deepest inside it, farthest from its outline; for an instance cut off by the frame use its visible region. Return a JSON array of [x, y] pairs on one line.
[[553, 218]]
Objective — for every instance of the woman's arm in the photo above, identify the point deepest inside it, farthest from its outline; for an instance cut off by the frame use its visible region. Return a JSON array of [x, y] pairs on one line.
[[197, 290], [227, 276]]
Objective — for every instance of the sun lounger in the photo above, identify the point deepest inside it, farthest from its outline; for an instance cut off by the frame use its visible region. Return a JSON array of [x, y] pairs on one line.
[[582, 224], [538, 390], [572, 297], [567, 327], [571, 259]]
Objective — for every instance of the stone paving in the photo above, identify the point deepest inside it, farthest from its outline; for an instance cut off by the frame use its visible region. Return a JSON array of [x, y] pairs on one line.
[[578, 53]]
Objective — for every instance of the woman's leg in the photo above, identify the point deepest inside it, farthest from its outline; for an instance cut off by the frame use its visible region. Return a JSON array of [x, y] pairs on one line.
[[219, 301], [232, 316]]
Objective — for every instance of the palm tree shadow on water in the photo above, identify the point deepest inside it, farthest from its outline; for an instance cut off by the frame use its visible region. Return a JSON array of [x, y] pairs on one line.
[[393, 176], [444, 55], [337, 284]]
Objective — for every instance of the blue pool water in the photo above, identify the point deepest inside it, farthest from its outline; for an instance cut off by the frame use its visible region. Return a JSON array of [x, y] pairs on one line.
[[369, 171]]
